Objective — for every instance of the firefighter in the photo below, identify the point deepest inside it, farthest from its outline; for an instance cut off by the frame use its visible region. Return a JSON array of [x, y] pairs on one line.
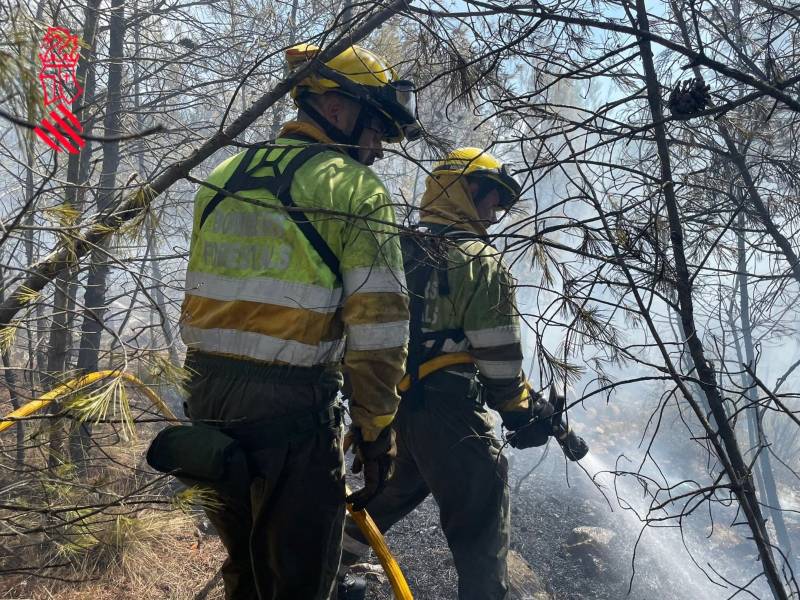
[[462, 301], [299, 273]]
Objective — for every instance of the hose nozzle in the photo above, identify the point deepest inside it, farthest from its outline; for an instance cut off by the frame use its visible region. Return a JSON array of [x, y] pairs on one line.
[[572, 445]]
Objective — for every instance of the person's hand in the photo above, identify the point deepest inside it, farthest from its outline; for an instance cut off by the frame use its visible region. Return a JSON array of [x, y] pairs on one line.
[[376, 459], [532, 427]]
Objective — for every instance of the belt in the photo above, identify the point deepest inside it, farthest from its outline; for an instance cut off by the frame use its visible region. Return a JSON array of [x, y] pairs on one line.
[[269, 433], [228, 366]]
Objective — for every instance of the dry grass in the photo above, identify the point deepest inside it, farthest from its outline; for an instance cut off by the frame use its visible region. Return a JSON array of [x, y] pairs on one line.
[[137, 547], [174, 562]]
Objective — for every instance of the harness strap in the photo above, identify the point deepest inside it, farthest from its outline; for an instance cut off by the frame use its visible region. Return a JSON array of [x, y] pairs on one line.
[[279, 185], [439, 338], [233, 185], [419, 270]]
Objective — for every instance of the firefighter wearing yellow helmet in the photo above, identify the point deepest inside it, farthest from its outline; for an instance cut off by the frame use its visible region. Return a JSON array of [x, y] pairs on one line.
[[296, 278], [462, 305], [365, 78]]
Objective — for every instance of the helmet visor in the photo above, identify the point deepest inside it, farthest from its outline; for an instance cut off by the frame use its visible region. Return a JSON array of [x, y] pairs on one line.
[[511, 185], [503, 181], [397, 100], [405, 95]]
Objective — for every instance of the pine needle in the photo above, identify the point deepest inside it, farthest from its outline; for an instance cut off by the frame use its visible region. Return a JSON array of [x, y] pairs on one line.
[[96, 405], [196, 496], [164, 371], [63, 214], [7, 336], [27, 295]]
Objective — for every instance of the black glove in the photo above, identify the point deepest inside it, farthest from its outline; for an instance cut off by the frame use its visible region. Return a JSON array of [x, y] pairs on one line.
[[376, 459], [530, 427]]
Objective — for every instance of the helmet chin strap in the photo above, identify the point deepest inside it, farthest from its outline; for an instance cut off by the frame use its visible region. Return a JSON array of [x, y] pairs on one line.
[[351, 141]]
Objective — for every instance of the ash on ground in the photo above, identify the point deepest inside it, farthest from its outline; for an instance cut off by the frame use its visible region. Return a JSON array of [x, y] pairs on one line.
[[576, 546]]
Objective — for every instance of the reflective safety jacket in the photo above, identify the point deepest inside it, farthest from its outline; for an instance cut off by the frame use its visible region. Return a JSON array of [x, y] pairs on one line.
[[259, 290], [464, 295]]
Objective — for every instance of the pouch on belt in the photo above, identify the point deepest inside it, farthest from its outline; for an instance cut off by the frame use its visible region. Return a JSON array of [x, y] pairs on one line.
[[201, 455]]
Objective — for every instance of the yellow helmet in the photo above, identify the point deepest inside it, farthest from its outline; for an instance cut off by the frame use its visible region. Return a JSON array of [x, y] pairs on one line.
[[474, 162], [364, 76]]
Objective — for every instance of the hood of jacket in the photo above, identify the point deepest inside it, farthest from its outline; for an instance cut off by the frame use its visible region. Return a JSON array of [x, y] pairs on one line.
[[447, 201]]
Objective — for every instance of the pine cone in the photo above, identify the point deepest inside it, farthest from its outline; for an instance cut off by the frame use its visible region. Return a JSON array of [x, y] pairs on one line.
[[689, 98], [187, 43]]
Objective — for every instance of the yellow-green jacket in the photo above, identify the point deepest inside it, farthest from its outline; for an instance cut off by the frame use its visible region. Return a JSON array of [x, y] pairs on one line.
[[256, 289], [469, 303]]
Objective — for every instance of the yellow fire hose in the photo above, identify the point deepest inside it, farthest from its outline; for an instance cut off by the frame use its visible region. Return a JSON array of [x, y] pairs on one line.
[[378, 544], [76, 384], [361, 518]]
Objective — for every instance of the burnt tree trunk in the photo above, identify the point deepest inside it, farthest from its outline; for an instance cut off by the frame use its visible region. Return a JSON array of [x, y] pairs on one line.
[[758, 438], [729, 452], [94, 298], [63, 300], [11, 384]]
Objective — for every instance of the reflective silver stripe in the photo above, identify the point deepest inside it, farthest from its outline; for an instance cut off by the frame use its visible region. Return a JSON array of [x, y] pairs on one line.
[[253, 224], [265, 290], [493, 336], [377, 336], [368, 280], [450, 345], [499, 369], [261, 347], [353, 546]]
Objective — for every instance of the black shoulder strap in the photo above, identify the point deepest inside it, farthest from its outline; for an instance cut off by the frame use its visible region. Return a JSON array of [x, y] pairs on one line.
[[418, 267], [233, 185], [279, 185], [421, 260]]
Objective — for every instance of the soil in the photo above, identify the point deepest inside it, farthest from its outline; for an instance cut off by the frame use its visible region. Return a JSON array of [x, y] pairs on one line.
[[547, 506], [546, 509]]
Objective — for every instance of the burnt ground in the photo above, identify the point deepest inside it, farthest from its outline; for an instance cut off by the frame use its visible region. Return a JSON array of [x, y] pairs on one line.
[[544, 513], [545, 510]]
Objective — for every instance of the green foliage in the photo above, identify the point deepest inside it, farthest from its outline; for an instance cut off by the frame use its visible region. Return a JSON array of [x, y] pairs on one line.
[[7, 337], [190, 498], [99, 540], [19, 84], [162, 370], [110, 399]]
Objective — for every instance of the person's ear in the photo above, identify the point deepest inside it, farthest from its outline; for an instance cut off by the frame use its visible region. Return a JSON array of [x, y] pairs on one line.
[[330, 107], [336, 110]]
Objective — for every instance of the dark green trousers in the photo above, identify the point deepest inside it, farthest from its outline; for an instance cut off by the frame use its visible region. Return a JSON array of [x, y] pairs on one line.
[[284, 538], [446, 447]]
